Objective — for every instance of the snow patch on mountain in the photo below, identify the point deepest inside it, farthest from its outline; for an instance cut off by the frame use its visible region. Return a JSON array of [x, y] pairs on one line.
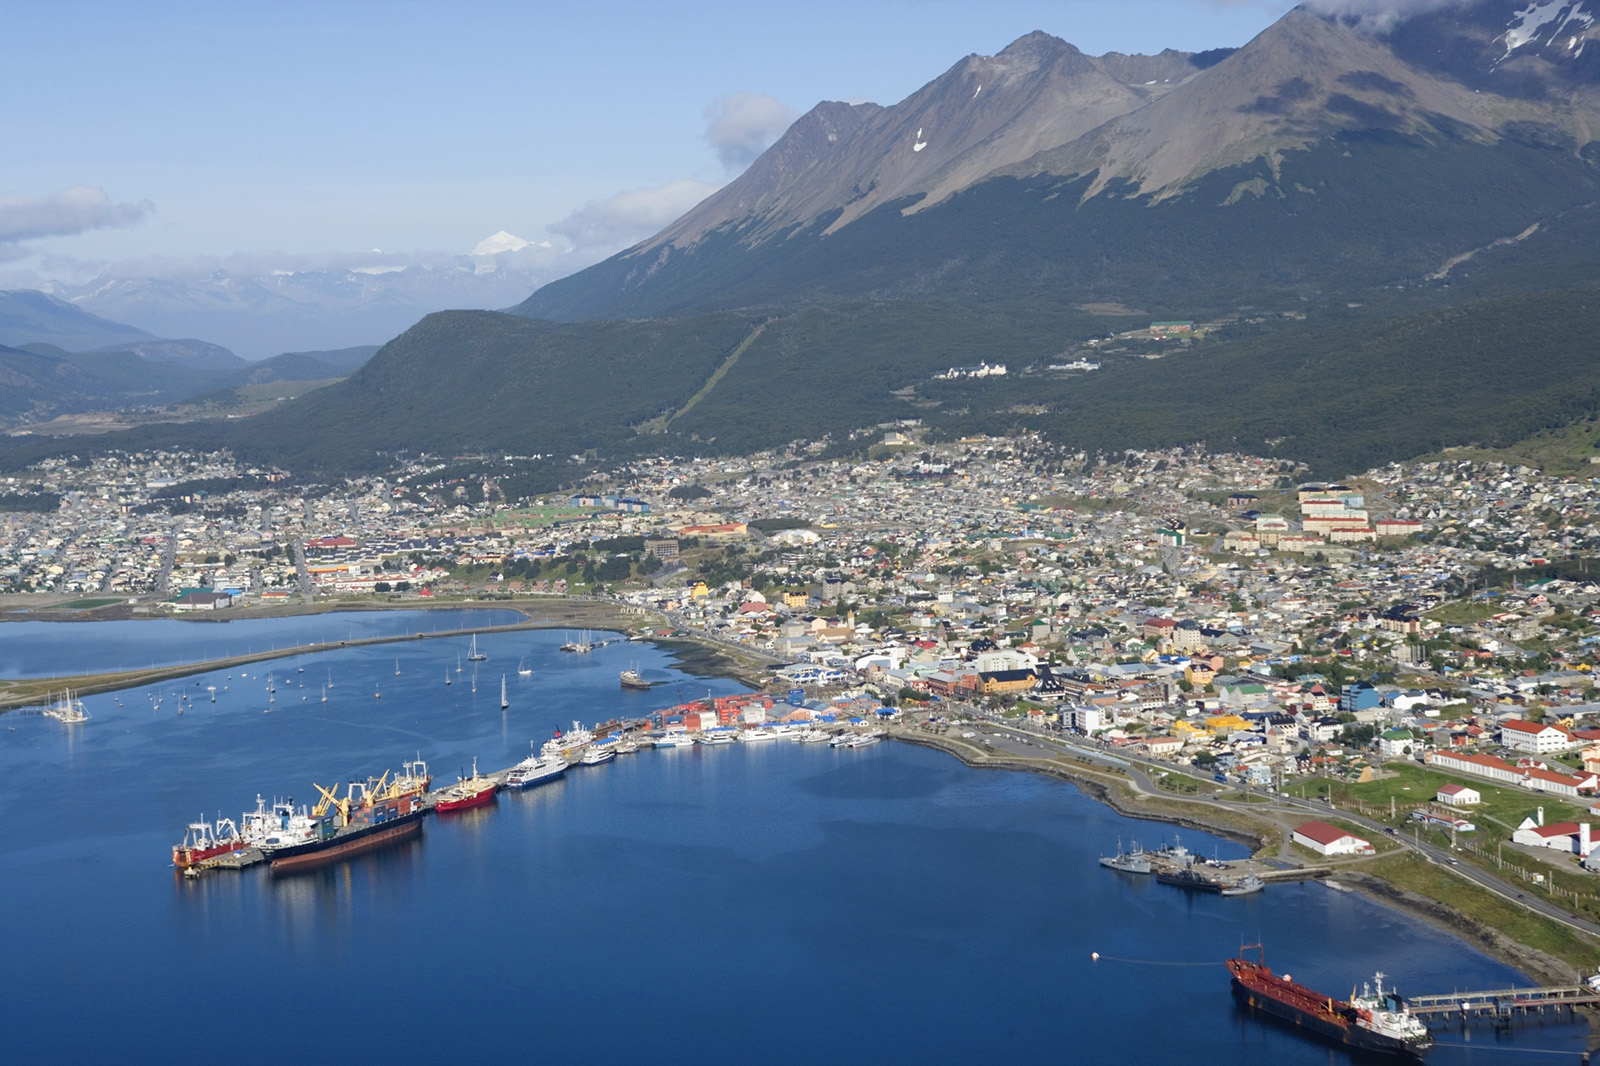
[[1528, 25], [499, 242]]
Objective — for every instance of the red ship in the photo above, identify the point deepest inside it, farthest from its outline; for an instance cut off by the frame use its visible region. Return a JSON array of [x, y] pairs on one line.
[[202, 841], [1371, 1021], [469, 792]]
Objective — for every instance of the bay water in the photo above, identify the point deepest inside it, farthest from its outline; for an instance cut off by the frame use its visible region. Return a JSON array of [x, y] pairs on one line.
[[769, 903]]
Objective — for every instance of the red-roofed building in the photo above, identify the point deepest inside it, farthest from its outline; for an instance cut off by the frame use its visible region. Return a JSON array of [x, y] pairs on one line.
[[1558, 784], [1458, 795], [1325, 839], [1477, 765], [1560, 836], [1535, 737]]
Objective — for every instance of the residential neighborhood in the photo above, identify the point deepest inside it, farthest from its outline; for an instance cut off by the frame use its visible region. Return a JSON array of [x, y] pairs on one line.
[[1215, 612]]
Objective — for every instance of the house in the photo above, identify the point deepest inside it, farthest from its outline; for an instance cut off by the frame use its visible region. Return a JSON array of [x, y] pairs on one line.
[[1458, 795], [1163, 747], [1397, 744], [1325, 839]]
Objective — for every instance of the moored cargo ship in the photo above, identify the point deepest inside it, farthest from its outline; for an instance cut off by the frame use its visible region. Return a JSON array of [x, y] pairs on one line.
[[1373, 1021], [372, 814]]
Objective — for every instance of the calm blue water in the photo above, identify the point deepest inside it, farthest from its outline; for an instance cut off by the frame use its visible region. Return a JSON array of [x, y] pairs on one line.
[[48, 649], [746, 904]]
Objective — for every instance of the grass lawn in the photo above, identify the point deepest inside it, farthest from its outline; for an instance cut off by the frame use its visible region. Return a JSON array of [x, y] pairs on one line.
[[84, 605], [1411, 784], [1464, 612], [1412, 872], [1182, 783]]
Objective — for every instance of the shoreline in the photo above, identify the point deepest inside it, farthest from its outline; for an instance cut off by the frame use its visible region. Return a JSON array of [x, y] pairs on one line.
[[692, 654], [703, 657], [1257, 832]]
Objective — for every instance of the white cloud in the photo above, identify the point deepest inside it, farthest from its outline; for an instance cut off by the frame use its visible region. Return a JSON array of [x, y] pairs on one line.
[[1377, 16], [630, 216], [741, 126], [62, 214]]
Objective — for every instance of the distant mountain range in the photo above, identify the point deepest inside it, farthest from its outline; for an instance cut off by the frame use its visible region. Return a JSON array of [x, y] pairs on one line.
[[1395, 220], [57, 359], [258, 310]]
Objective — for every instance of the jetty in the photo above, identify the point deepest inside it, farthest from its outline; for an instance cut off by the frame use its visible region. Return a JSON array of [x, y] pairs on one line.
[[233, 860], [1505, 1003]]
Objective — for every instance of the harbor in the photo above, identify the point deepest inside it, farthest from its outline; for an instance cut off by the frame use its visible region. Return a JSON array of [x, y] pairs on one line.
[[768, 862], [381, 812]]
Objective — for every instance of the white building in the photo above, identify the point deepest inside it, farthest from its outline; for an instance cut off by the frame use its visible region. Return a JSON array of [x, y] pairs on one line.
[[1534, 738], [1458, 796], [1325, 839]]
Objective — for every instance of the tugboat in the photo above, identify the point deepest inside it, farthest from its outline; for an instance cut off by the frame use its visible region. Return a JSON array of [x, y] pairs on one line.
[[1373, 1021], [1247, 885]]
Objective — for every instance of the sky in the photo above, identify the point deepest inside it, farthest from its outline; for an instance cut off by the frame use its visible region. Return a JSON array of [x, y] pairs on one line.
[[294, 133]]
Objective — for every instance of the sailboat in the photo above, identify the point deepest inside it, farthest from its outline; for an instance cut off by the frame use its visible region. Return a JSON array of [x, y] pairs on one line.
[[523, 668], [447, 675], [68, 709], [473, 654], [458, 664], [504, 703], [330, 677], [397, 668]]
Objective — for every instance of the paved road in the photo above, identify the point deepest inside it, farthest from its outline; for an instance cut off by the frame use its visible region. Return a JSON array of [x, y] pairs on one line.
[[302, 571], [169, 556], [1018, 740]]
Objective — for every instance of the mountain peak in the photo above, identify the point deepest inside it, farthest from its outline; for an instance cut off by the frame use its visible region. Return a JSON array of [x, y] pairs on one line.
[[984, 113], [499, 242], [1037, 44]]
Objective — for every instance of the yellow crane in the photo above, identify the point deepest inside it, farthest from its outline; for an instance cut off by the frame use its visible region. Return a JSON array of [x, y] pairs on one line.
[[330, 798]]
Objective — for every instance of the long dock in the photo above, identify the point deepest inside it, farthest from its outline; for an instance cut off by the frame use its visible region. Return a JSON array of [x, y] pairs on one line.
[[1504, 1002]]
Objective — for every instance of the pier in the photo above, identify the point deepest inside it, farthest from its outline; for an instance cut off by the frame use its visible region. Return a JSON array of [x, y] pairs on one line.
[[1504, 1002], [234, 860]]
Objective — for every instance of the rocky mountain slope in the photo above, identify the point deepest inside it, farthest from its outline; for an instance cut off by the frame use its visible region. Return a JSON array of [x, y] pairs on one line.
[[1078, 148]]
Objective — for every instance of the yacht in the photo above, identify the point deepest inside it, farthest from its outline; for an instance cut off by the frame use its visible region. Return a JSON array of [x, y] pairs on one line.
[[536, 770], [597, 754]]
